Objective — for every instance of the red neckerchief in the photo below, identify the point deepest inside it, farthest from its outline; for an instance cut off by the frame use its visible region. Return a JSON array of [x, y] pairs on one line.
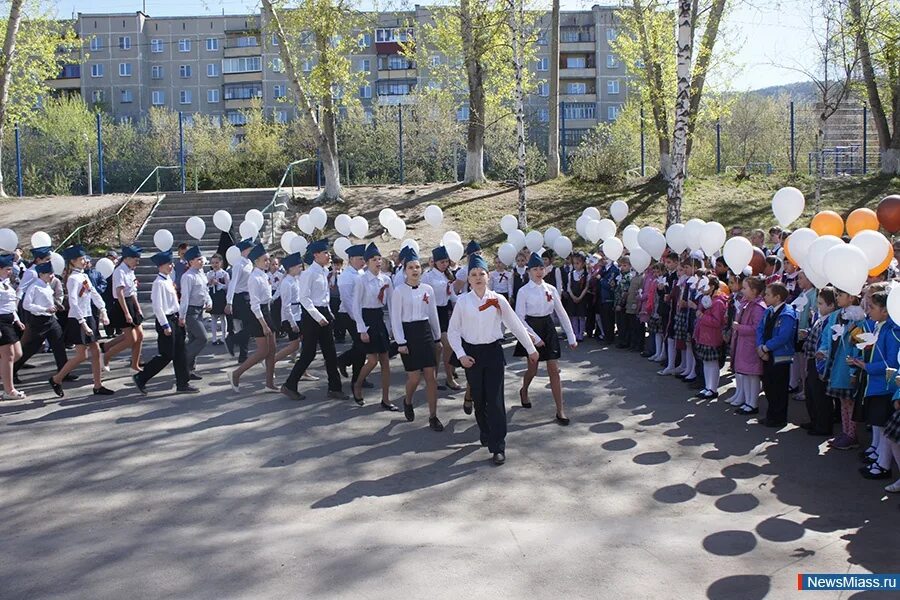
[[489, 303]]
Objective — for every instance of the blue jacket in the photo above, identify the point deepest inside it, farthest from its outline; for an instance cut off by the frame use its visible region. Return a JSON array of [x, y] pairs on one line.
[[97, 280], [605, 285], [838, 369], [783, 341], [884, 356]]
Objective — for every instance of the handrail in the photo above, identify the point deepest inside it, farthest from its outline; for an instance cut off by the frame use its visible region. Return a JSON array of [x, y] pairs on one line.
[[78, 229], [273, 203]]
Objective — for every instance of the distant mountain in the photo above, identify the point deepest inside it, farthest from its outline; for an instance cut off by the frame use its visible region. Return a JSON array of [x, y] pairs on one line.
[[801, 91]]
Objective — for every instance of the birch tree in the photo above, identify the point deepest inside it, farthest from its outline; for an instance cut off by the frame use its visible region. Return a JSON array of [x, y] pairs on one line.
[[517, 33], [682, 114], [553, 127]]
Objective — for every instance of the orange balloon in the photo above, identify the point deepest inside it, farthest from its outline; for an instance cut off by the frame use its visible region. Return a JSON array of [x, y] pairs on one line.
[[828, 222], [787, 253], [860, 220], [884, 265]]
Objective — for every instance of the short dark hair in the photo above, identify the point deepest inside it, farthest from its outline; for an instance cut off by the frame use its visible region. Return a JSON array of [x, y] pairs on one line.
[[880, 298], [757, 283], [778, 289], [828, 295], [182, 246]]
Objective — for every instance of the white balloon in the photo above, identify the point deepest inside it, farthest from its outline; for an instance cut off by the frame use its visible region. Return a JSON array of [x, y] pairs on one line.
[[712, 236], [434, 216], [893, 304], [105, 267], [299, 244], [58, 262], [233, 255], [592, 213], [9, 241], [640, 259], [222, 220], [534, 240], [359, 227], [454, 250], [675, 238], [41, 239], [562, 246], [799, 242], [692, 230], [386, 216], [305, 224], [815, 258], [550, 236], [163, 240], [507, 254], [619, 210], [397, 228], [738, 252], [509, 224], [342, 224], [286, 238], [411, 243], [255, 217], [248, 229], [845, 267], [787, 205], [652, 241], [319, 217], [630, 237], [340, 247], [874, 245], [195, 227], [817, 279], [517, 239], [592, 231], [613, 248], [581, 226], [607, 229]]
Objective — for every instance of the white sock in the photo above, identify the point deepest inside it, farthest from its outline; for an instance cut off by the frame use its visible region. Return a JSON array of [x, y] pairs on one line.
[[690, 363], [711, 374], [885, 456], [754, 384], [738, 397], [670, 343]]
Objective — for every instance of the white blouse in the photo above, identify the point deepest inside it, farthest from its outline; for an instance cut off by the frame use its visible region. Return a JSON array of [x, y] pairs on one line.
[[542, 300], [260, 291], [8, 299], [290, 299], [443, 288], [218, 280], [81, 294], [240, 274], [164, 299], [501, 281], [346, 284], [124, 277], [409, 305], [366, 295], [314, 290], [477, 321], [39, 299]]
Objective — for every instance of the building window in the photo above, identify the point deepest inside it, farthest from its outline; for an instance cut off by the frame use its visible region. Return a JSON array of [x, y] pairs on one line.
[[543, 115], [576, 62], [542, 38], [394, 62], [97, 96], [365, 40], [212, 70], [612, 113], [244, 64], [184, 45], [395, 88], [212, 44], [365, 91], [543, 89], [97, 70], [278, 91], [611, 34], [281, 116], [612, 86], [156, 46], [212, 96], [462, 113], [611, 61], [394, 35], [365, 65], [124, 69], [156, 72], [579, 110], [274, 39], [576, 34], [157, 98], [247, 41], [307, 65], [435, 61], [125, 96], [543, 63], [184, 97], [236, 117], [184, 71], [95, 44], [277, 65], [243, 91], [576, 87], [125, 43]]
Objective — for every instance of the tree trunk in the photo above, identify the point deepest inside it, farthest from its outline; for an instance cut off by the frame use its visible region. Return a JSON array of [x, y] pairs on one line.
[[518, 48], [475, 77], [698, 77], [329, 153], [682, 110], [820, 159], [553, 127], [890, 161], [9, 47], [653, 73]]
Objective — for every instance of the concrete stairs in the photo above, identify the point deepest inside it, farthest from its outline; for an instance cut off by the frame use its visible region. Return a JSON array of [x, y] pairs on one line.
[[176, 208]]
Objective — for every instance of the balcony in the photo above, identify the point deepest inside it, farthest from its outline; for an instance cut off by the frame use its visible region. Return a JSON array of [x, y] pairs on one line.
[[241, 103], [242, 77], [576, 46], [397, 74], [583, 73], [568, 98], [69, 78], [238, 51]]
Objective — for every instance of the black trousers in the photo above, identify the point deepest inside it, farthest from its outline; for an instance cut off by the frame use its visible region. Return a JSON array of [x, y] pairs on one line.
[[776, 381], [40, 329], [316, 335], [170, 349], [355, 356], [636, 332], [819, 406], [240, 309], [340, 326], [485, 380], [608, 321], [622, 327]]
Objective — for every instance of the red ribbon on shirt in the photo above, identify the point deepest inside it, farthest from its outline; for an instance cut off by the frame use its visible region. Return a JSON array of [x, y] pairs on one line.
[[449, 289], [85, 288], [489, 303], [381, 293], [425, 298], [549, 296]]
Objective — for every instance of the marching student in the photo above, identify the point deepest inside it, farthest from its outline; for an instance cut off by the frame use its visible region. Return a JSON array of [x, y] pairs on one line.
[[475, 337], [536, 302], [11, 328], [439, 280], [217, 279], [125, 312], [414, 321], [170, 332], [316, 324], [81, 327], [355, 356], [500, 279], [237, 301], [194, 300], [260, 325], [43, 325], [290, 304], [334, 300], [29, 276], [276, 275], [371, 294], [775, 339]]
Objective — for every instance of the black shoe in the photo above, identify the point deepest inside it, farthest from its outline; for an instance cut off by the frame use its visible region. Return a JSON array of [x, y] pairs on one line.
[[435, 424], [102, 391], [343, 371], [337, 395], [57, 388], [646, 355], [793, 390], [806, 426], [359, 401], [71, 377], [467, 407], [242, 359], [746, 410], [187, 389], [292, 394], [390, 407], [773, 424], [522, 398], [409, 412], [562, 420], [229, 344], [816, 432], [194, 377], [27, 366], [877, 473], [499, 458], [138, 384]]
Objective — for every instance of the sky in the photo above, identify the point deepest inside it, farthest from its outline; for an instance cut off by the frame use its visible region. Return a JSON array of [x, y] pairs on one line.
[[766, 40]]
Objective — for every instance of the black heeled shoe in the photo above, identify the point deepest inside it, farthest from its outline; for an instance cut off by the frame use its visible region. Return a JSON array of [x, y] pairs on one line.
[[359, 401], [390, 407], [522, 398], [562, 420]]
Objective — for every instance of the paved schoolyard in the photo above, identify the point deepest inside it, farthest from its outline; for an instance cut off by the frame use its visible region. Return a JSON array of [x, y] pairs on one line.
[[646, 495]]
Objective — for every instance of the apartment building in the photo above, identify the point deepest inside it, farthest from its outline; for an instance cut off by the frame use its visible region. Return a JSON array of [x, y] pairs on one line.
[[218, 65]]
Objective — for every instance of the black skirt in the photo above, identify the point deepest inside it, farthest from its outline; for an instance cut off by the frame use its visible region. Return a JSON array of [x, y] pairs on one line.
[[379, 340], [444, 317], [253, 326], [877, 410], [289, 332], [76, 335], [9, 332], [420, 343], [546, 330], [240, 307], [218, 302], [117, 317]]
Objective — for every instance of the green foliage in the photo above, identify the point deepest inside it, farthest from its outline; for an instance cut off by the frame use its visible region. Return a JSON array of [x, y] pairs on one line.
[[606, 153]]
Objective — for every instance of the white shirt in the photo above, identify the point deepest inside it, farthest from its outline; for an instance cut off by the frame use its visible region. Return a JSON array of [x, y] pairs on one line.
[[123, 277], [409, 305], [483, 326], [27, 279], [399, 277], [314, 290], [39, 299], [365, 295], [442, 286], [81, 294], [164, 299], [218, 280], [9, 300], [290, 299], [275, 280], [194, 291], [240, 274], [346, 284], [501, 281], [541, 301], [260, 291]]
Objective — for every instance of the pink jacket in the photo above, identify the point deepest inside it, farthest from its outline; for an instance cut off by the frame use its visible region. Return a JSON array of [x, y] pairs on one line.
[[743, 339], [708, 330], [648, 296]]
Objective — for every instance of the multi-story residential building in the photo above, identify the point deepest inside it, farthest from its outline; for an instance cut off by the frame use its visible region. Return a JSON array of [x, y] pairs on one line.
[[219, 65]]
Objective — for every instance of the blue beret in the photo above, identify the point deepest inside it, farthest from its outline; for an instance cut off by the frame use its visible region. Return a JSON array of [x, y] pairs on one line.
[[477, 262], [472, 247], [291, 260], [356, 250], [410, 256], [46, 267], [439, 253], [161, 258], [257, 251], [535, 260], [244, 244], [192, 253], [73, 252], [318, 246], [372, 251], [6, 260], [132, 251], [42, 252], [308, 258], [404, 251]]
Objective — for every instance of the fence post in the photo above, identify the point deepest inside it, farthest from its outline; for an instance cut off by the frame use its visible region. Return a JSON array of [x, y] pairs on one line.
[[400, 137], [157, 183], [21, 188], [718, 146], [181, 146], [793, 156], [562, 136], [99, 154], [865, 138], [293, 197], [643, 159]]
